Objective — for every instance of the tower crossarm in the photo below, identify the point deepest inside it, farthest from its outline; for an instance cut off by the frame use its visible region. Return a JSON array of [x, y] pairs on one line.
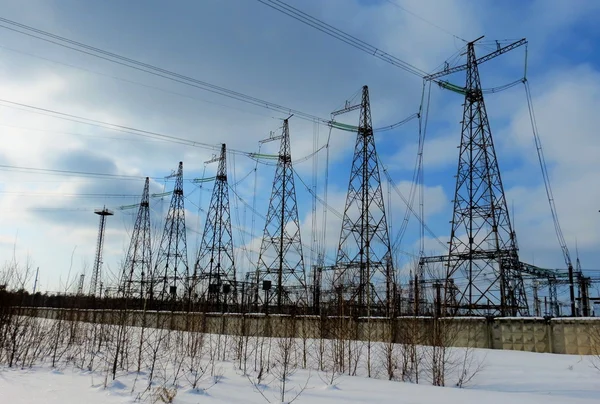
[[474, 255], [482, 59], [538, 272]]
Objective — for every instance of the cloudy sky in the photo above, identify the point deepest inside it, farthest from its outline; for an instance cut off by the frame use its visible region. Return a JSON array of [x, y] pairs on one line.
[[247, 47]]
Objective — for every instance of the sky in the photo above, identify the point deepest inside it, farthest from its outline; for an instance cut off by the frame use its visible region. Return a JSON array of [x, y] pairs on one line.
[[47, 221]]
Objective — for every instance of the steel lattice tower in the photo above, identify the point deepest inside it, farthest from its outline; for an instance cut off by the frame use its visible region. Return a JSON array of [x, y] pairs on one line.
[[280, 259], [171, 271], [215, 267], [364, 274], [137, 271], [97, 270], [482, 266]]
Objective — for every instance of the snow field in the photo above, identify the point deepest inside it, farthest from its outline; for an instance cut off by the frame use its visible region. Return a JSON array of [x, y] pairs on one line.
[[60, 362]]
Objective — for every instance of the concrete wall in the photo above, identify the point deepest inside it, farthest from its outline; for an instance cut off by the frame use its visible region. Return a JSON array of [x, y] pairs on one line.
[[578, 336]]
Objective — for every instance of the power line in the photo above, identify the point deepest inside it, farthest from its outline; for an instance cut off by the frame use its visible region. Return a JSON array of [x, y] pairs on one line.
[[69, 195], [154, 70], [115, 127], [24, 128], [180, 78], [132, 81], [111, 126], [342, 36], [363, 46], [6, 167], [392, 2]]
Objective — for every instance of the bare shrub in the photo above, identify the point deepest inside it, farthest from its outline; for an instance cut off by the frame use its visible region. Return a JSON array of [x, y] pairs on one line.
[[163, 394], [445, 360], [410, 333], [594, 335], [195, 346]]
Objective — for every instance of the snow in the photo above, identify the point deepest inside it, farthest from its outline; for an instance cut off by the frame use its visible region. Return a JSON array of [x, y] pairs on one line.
[[217, 365], [508, 376]]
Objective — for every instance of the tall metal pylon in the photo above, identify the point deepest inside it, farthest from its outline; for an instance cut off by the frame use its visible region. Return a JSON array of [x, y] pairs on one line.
[[97, 270], [137, 270], [214, 271], [280, 260], [363, 272], [171, 271], [483, 272]]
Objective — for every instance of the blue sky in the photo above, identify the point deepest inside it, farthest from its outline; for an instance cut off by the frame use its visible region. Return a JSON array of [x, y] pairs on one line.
[[245, 46]]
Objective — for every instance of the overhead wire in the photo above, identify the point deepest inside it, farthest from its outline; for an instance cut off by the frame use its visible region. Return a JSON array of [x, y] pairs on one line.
[[351, 40], [404, 224], [161, 72], [323, 241], [253, 207], [304, 246], [410, 208], [69, 194], [137, 83], [149, 68], [140, 132], [421, 175], [321, 200], [213, 147], [425, 20], [237, 214], [7, 167], [546, 177], [361, 45], [154, 70]]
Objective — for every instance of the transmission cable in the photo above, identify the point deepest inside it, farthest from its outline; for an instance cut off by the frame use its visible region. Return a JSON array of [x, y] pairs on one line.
[[361, 45], [546, 177], [32, 55], [341, 35], [134, 131], [321, 200], [394, 3], [416, 171], [161, 72], [408, 205], [151, 69]]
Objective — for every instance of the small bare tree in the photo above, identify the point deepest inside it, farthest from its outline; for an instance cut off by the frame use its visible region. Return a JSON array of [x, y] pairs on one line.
[[594, 336]]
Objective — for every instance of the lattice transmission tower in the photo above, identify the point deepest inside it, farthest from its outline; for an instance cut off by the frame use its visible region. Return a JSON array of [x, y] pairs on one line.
[[171, 271], [280, 261], [96, 277], [483, 272], [214, 271], [137, 270], [363, 275]]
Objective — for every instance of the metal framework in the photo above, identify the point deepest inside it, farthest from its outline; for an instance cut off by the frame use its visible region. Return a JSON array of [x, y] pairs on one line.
[[80, 285], [171, 271], [214, 271], [97, 271], [363, 275], [137, 271], [483, 272], [280, 261]]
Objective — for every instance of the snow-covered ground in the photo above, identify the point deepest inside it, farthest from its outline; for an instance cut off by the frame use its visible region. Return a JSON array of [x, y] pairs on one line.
[[61, 362], [507, 377]]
